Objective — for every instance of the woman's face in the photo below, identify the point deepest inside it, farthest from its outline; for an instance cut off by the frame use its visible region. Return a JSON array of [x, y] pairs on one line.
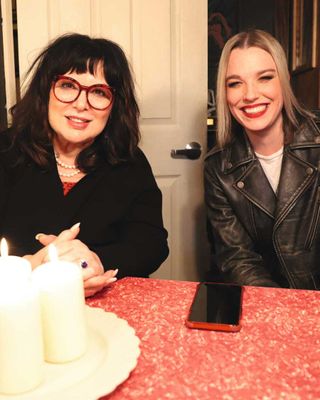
[[77, 124], [254, 93]]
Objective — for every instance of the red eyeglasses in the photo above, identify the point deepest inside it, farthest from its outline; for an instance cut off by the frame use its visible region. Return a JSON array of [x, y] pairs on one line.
[[67, 90]]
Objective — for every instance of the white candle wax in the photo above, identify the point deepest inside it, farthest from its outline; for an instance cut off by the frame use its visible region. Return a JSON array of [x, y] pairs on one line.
[[62, 303], [17, 269], [21, 345]]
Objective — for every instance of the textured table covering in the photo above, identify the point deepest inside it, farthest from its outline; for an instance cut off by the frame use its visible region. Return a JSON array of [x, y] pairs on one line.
[[276, 355]]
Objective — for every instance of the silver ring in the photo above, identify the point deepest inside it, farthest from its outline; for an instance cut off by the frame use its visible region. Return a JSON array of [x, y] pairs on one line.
[[83, 263]]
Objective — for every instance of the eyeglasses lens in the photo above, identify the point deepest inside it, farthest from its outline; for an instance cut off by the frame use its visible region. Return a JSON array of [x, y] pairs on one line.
[[67, 91], [99, 97]]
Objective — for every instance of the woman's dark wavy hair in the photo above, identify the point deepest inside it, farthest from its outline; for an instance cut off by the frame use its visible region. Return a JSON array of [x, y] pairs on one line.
[[78, 53]]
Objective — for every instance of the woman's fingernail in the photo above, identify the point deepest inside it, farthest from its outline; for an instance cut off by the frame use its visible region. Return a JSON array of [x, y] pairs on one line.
[[111, 280], [115, 272], [38, 235], [75, 226]]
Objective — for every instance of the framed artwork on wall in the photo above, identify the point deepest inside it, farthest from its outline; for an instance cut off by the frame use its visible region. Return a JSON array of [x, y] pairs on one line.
[[304, 34]]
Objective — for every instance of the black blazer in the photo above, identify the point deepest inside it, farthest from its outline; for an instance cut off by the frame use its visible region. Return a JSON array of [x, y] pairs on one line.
[[119, 208]]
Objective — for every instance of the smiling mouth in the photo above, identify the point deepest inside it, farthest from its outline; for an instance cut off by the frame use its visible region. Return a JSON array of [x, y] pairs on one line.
[[255, 109], [77, 119]]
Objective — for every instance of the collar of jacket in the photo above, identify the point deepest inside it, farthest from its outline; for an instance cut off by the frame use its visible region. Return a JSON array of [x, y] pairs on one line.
[[299, 165], [240, 152]]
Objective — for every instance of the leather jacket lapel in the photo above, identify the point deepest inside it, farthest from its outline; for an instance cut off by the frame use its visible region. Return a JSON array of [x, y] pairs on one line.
[[254, 185], [297, 173], [296, 176], [252, 182]]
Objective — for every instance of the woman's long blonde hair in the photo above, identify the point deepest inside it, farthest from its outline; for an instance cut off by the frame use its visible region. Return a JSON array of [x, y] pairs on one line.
[[265, 41]]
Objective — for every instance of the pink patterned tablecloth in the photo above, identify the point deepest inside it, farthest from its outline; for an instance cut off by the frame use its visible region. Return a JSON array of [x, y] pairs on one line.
[[275, 356]]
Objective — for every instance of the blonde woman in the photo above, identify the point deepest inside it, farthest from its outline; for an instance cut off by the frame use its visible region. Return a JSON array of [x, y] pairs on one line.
[[262, 178]]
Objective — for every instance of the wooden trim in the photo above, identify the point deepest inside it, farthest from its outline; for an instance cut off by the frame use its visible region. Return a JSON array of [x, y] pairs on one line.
[[8, 52], [315, 37]]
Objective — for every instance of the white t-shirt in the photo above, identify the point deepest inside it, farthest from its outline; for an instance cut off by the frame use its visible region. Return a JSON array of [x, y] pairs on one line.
[[272, 167]]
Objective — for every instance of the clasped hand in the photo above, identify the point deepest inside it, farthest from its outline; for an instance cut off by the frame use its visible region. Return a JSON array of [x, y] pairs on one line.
[[73, 250]]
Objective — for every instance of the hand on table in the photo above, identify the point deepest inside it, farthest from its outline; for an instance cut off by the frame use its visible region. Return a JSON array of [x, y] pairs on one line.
[[94, 282], [42, 255], [73, 250]]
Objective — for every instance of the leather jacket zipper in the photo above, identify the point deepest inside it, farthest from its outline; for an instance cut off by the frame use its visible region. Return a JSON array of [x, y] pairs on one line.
[[283, 264], [314, 223]]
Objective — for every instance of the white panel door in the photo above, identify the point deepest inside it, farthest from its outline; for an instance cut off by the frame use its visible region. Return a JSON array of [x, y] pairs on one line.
[[166, 42]]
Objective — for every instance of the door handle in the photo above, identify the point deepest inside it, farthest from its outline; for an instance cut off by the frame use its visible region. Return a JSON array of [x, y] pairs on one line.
[[192, 151]]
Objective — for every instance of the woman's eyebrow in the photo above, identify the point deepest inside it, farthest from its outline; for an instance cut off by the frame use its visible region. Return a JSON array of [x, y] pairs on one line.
[[263, 71], [266, 70], [232, 77]]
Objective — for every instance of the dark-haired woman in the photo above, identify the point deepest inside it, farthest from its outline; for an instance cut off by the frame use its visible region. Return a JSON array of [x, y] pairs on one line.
[[71, 155]]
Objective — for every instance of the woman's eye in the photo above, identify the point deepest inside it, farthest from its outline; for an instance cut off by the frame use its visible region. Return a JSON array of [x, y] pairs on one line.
[[67, 85], [233, 84], [266, 77], [101, 93]]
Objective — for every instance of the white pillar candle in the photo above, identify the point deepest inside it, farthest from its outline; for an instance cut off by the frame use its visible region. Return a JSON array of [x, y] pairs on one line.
[[16, 268], [21, 346], [62, 301]]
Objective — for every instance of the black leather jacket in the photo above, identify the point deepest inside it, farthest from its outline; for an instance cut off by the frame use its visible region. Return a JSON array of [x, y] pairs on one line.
[[261, 238]]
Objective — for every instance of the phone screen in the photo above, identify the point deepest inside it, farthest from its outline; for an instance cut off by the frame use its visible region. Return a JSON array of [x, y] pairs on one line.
[[216, 306]]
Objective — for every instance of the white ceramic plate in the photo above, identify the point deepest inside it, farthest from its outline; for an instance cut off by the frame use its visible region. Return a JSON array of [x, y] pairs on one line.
[[113, 351]]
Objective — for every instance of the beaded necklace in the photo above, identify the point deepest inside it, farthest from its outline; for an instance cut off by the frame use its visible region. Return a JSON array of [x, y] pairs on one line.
[[66, 166]]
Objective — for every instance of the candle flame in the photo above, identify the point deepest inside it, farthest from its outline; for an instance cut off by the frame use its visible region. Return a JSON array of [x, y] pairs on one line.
[[4, 248], [52, 251]]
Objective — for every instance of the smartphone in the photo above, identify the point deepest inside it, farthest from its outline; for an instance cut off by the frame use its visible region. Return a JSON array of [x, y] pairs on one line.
[[216, 306]]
